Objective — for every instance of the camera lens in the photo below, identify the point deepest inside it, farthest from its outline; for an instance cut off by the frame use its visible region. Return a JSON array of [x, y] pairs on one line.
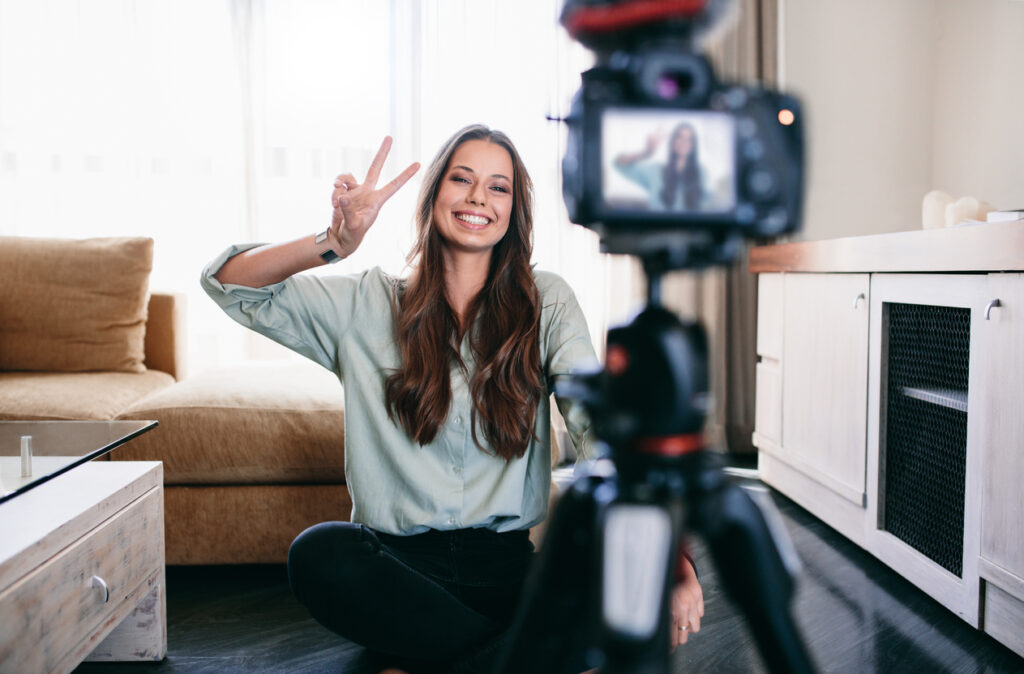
[[671, 84], [675, 77]]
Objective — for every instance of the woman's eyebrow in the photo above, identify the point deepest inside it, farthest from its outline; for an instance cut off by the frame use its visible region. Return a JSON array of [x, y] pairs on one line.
[[493, 175]]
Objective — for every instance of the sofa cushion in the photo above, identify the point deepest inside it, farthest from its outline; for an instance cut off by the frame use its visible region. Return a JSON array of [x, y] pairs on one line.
[[73, 305], [255, 423], [245, 524], [80, 395]]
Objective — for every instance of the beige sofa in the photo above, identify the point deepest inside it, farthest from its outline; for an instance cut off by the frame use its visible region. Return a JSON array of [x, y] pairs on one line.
[[252, 455]]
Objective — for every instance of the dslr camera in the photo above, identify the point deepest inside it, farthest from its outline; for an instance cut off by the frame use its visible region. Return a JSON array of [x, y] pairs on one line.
[[664, 160]]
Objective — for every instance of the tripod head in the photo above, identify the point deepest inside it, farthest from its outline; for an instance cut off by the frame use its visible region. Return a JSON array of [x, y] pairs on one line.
[[654, 384]]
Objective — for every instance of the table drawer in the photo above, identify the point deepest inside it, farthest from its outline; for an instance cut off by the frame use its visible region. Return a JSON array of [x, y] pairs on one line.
[[59, 599]]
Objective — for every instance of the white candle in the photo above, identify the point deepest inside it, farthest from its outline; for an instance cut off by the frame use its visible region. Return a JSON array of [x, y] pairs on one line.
[[26, 456]]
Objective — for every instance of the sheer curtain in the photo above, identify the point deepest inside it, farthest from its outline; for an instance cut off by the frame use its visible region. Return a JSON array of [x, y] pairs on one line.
[[206, 122], [121, 118]]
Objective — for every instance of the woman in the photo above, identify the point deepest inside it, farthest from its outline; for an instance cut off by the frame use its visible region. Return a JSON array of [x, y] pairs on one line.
[[675, 185], [447, 378]]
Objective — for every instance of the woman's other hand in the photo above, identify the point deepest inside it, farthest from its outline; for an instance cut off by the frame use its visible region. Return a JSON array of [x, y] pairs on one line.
[[356, 205], [687, 606]]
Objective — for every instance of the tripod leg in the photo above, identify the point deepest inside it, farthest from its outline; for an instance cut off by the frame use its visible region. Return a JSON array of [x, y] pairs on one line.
[[753, 573], [553, 629]]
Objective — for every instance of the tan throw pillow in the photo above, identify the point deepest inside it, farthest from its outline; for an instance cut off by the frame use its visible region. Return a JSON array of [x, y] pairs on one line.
[[73, 305]]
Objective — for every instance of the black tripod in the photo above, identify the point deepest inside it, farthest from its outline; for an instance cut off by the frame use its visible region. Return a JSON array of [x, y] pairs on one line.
[[607, 563]]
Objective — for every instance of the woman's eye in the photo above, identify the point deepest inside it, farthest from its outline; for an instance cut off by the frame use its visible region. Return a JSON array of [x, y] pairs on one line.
[[500, 188], [459, 179]]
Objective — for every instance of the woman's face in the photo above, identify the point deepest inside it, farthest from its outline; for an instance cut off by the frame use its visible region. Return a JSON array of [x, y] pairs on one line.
[[474, 201], [682, 142]]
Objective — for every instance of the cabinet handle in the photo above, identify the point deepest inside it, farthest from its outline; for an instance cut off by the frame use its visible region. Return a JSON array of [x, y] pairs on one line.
[[101, 585], [857, 299], [991, 305]]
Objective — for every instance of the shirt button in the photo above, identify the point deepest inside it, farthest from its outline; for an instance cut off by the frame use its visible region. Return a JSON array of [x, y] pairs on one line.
[[458, 420], [451, 521], [457, 469]]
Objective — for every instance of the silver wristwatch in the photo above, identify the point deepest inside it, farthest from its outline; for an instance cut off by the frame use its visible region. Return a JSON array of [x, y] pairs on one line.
[[328, 256]]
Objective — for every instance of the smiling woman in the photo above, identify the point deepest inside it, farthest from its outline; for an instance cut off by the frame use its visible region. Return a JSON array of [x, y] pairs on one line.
[[448, 375]]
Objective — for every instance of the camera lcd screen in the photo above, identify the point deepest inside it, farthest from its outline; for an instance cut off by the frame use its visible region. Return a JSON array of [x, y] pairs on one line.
[[668, 162]]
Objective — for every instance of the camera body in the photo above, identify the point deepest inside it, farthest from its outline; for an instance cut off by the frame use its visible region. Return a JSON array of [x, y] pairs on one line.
[[658, 147]]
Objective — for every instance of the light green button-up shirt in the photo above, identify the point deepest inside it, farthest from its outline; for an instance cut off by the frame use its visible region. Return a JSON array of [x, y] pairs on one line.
[[398, 486]]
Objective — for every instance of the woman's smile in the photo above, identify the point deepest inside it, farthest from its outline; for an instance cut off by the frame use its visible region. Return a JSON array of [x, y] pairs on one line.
[[472, 221]]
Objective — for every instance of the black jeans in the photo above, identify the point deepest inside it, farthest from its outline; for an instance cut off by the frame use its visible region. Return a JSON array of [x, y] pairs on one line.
[[427, 602]]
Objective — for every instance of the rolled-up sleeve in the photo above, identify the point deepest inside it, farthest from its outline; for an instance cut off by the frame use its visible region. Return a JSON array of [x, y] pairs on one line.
[[308, 314], [568, 350]]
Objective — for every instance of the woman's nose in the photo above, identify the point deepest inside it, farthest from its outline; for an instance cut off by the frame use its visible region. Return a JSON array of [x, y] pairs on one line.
[[476, 195]]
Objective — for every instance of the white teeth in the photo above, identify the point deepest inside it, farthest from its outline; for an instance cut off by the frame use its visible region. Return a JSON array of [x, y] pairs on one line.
[[472, 219]]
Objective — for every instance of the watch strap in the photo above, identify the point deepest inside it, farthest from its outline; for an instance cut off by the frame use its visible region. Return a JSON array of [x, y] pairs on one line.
[[328, 256]]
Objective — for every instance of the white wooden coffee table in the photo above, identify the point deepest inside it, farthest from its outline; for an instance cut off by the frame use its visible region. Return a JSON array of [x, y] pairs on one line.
[[82, 567]]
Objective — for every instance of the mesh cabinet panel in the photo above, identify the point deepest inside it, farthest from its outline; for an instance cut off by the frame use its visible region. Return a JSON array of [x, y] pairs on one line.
[[925, 451]]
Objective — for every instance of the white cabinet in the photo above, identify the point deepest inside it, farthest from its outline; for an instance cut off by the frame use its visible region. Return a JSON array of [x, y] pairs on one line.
[[1001, 563], [891, 406], [811, 413]]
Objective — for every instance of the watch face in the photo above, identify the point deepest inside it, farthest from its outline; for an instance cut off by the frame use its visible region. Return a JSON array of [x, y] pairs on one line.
[[329, 256], [322, 236]]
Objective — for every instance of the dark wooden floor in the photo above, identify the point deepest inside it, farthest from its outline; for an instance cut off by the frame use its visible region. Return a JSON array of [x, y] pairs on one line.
[[856, 615]]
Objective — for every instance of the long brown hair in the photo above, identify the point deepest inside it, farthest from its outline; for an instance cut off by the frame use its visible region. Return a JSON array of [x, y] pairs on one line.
[[502, 322]]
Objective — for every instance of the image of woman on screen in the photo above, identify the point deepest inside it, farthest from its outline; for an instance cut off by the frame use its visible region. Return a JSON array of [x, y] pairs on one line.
[[676, 184]]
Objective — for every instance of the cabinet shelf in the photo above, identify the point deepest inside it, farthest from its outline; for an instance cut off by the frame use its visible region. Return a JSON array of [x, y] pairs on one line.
[[953, 398]]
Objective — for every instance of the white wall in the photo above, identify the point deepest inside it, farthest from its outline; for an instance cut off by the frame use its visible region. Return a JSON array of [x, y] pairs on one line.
[[903, 97], [978, 107]]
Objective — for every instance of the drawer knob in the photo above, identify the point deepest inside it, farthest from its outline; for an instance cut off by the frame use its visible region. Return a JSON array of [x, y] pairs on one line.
[[857, 300], [101, 585], [992, 305]]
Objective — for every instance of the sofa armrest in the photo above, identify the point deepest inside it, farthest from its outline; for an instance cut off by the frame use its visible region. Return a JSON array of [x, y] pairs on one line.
[[165, 334]]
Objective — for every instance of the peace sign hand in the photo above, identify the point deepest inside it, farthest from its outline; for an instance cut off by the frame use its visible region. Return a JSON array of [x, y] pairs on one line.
[[356, 205], [654, 141]]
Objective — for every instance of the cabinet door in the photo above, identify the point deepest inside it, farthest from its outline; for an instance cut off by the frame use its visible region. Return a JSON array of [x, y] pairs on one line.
[[1002, 436], [925, 415], [824, 379], [768, 407]]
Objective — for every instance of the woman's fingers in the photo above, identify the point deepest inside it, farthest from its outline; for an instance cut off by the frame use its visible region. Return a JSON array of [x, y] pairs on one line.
[[397, 183], [377, 165], [345, 180], [342, 185], [687, 610], [356, 204], [373, 174]]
